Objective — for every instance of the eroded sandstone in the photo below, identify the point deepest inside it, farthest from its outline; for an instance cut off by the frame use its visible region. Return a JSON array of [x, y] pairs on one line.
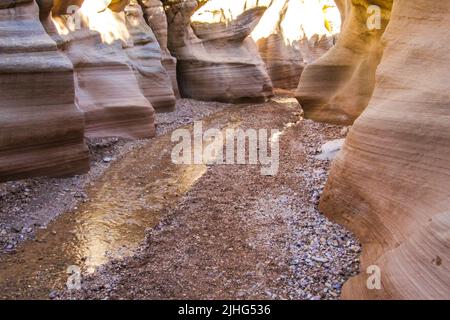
[[146, 57], [41, 128], [156, 18], [391, 182], [337, 87], [106, 87], [293, 34], [217, 60]]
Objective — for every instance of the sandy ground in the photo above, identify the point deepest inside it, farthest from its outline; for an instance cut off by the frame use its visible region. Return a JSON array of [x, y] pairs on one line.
[[233, 234]]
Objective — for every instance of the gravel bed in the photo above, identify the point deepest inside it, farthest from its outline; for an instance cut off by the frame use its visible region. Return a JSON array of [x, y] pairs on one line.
[[26, 205], [239, 235]]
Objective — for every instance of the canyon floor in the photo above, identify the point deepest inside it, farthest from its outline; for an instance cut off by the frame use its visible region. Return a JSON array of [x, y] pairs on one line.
[[141, 227]]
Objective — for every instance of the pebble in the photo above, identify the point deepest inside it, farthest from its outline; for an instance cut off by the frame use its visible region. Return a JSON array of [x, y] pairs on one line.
[[330, 149], [17, 228], [321, 260], [53, 294], [345, 130]]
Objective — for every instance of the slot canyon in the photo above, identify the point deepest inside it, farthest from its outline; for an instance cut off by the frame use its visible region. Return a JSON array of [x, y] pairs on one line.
[[239, 149]]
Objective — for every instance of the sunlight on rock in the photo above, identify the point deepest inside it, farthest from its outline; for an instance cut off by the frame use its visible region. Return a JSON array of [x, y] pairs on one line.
[[109, 24], [299, 19], [225, 11], [95, 15]]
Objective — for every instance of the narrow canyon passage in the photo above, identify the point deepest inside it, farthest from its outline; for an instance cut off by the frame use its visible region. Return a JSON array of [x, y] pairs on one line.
[[213, 231], [331, 118]]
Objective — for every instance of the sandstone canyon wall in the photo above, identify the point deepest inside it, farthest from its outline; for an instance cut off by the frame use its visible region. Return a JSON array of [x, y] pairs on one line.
[[338, 86], [106, 87], [391, 182], [216, 59], [41, 128], [146, 56], [156, 18], [294, 33]]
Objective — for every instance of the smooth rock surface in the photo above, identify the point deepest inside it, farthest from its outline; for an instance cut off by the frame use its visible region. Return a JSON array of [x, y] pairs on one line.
[[337, 87], [106, 87], [41, 128], [330, 150], [293, 34], [156, 18], [145, 55], [391, 182], [217, 60]]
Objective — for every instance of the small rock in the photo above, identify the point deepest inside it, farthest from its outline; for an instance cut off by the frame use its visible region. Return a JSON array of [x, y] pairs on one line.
[[330, 149], [334, 243], [337, 286], [345, 130], [17, 228], [240, 294], [321, 260]]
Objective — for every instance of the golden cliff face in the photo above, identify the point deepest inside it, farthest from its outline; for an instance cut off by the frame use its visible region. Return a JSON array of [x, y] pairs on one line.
[[289, 35], [338, 86], [146, 57], [293, 34], [391, 182]]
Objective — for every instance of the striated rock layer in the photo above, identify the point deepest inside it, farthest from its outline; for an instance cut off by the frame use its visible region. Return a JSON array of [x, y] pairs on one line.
[[156, 18], [41, 129], [106, 87], [123, 21], [107, 90], [217, 60], [293, 34], [145, 55], [391, 183], [338, 86]]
